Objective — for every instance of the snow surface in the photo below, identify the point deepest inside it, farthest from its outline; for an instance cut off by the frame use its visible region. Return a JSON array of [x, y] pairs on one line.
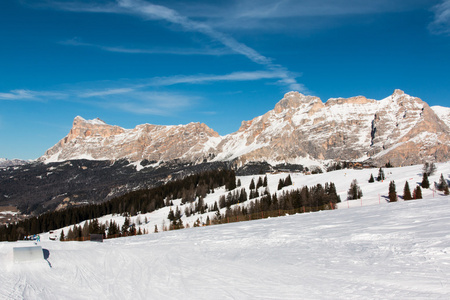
[[443, 113], [374, 250], [395, 251]]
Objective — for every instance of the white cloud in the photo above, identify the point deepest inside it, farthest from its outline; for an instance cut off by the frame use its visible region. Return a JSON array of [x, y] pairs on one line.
[[30, 95], [106, 92], [296, 14], [151, 103], [17, 95], [143, 84], [173, 51], [151, 11], [441, 22], [204, 78]]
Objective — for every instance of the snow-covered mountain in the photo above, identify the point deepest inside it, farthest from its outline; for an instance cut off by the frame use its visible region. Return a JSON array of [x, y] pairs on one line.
[[400, 128], [4, 162], [96, 140], [300, 129]]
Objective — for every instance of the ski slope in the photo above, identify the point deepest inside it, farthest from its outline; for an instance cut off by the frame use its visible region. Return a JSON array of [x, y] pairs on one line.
[[395, 251], [374, 250]]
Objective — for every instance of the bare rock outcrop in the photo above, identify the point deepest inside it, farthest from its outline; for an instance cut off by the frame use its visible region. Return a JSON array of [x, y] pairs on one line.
[[94, 139]]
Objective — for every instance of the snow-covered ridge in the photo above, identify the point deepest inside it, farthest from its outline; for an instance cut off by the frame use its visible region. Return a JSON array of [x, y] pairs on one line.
[[298, 127], [443, 113], [4, 162]]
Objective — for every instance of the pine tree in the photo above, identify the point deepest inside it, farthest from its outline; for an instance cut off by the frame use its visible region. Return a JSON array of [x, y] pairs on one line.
[[418, 192], [280, 184], [392, 192], [259, 183], [406, 192], [288, 180], [354, 191], [380, 175], [371, 179], [265, 181], [156, 229], [252, 185], [442, 184], [61, 237], [425, 183], [125, 226], [238, 183]]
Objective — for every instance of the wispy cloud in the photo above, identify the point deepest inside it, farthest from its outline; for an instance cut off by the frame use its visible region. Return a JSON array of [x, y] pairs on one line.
[[151, 11], [157, 12], [178, 79], [173, 51], [29, 95], [296, 14], [139, 91], [441, 22], [205, 78], [150, 103], [105, 92]]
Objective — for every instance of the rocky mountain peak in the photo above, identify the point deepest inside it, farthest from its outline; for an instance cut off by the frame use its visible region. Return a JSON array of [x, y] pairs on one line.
[[82, 128], [398, 92], [80, 121], [351, 100], [295, 100]]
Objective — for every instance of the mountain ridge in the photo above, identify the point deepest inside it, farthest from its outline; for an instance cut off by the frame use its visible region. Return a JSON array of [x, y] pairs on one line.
[[400, 128]]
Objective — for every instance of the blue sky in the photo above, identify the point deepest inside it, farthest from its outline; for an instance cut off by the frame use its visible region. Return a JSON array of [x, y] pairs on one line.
[[131, 62]]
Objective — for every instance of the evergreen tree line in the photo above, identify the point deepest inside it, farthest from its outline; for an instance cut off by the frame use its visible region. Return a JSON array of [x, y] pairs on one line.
[[301, 200], [109, 230], [284, 182], [144, 201], [417, 192], [260, 183]]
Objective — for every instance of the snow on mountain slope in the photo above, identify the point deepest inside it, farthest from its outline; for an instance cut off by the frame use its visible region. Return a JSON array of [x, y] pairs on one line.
[[96, 140], [400, 128], [4, 162], [443, 113], [373, 193], [395, 251]]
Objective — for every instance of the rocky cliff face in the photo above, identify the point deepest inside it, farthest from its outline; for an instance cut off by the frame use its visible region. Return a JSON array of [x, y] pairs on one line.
[[94, 139], [300, 129], [400, 128]]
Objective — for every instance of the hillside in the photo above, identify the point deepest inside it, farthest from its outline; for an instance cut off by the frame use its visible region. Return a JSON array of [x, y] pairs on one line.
[[395, 251], [373, 193]]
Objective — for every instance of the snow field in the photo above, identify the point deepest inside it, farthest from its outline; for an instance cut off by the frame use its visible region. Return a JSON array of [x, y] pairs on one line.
[[373, 193], [395, 251], [376, 250]]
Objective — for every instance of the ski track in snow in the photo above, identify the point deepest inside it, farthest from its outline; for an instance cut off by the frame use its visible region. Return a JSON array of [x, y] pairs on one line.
[[395, 251]]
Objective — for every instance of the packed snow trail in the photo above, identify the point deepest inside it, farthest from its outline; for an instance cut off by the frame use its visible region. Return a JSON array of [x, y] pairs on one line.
[[395, 251]]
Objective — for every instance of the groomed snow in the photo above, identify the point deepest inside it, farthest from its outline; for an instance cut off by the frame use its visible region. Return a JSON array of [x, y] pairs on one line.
[[395, 251]]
